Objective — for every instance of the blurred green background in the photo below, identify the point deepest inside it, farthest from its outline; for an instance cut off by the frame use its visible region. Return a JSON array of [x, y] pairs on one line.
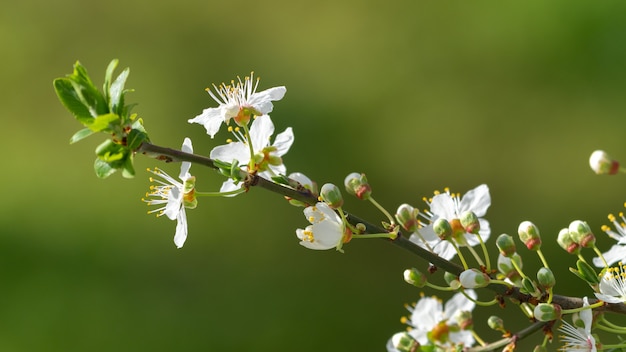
[[419, 95]]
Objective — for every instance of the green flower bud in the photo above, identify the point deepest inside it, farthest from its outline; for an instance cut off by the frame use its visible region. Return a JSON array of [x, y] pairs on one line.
[[474, 278], [506, 245], [547, 312], [581, 233], [496, 323], [465, 321], [415, 277], [452, 280], [565, 240], [403, 342], [442, 228], [331, 195], [407, 217], [505, 266], [357, 185], [545, 278], [602, 164], [529, 235], [470, 222]]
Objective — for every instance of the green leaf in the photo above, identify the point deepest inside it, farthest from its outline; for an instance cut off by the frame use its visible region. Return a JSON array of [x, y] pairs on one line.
[[102, 122], [103, 169], [88, 92], [135, 138], [129, 170], [108, 77], [84, 133], [116, 92], [71, 98]]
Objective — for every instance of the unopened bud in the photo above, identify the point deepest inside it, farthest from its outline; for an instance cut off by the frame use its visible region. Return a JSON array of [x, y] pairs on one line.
[[470, 222], [452, 280], [303, 181], [506, 245], [464, 319], [565, 240], [404, 342], [357, 185], [442, 229], [545, 278], [331, 195], [581, 233], [415, 277], [602, 164], [407, 217], [529, 235], [474, 278], [505, 266], [547, 312], [496, 323]]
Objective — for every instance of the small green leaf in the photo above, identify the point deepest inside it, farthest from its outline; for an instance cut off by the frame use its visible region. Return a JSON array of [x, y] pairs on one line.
[[135, 138], [108, 77], [84, 133], [71, 99], [102, 122], [128, 170], [103, 169], [587, 272], [116, 92]]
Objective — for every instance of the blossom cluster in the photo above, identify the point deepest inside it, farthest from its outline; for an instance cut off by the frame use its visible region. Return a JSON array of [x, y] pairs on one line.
[[450, 227]]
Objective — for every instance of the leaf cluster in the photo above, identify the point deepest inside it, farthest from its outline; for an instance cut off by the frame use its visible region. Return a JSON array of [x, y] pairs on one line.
[[106, 112]]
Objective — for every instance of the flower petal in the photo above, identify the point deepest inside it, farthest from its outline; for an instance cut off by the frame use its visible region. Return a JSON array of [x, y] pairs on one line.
[[231, 151], [283, 142], [181, 228], [477, 200], [262, 101], [211, 119], [185, 165], [260, 132]]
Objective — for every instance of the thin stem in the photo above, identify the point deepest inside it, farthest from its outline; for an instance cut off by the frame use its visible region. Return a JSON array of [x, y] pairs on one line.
[[383, 210], [518, 336], [543, 259], [595, 249]]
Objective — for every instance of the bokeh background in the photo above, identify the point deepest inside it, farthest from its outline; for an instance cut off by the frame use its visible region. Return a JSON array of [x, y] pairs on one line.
[[419, 95]]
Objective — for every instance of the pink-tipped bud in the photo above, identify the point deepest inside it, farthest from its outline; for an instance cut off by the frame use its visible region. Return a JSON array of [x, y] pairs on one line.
[[407, 217], [470, 222], [602, 164], [356, 184], [529, 235], [442, 228], [506, 245], [581, 234], [565, 240]]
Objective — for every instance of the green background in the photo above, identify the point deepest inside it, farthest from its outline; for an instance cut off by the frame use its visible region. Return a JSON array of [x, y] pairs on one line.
[[419, 95]]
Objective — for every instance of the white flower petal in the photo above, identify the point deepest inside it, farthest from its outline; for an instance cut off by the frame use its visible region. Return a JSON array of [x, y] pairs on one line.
[[185, 165], [459, 303], [211, 119], [443, 206], [181, 228], [231, 151], [262, 101], [283, 141], [615, 254], [261, 130], [476, 200], [174, 203]]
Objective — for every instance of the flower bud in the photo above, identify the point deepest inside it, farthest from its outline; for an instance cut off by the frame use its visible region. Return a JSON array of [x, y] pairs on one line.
[[545, 278], [404, 342], [505, 266], [547, 312], [496, 323], [415, 277], [442, 228], [464, 319], [602, 164], [452, 280], [331, 195], [474, 278], [357, 185], [529, 235], [565, 240], [304, 181], [407, 217], [506, 245], [581, 234], [470, 222]]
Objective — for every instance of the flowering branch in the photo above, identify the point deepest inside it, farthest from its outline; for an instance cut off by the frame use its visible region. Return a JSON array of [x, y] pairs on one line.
[[452, 224]]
